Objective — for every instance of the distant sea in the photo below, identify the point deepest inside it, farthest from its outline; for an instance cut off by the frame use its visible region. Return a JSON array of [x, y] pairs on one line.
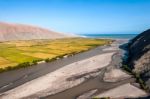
[[111, 36]]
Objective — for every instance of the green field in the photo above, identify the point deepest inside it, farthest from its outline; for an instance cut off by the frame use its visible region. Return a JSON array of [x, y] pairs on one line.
[[13, 53]]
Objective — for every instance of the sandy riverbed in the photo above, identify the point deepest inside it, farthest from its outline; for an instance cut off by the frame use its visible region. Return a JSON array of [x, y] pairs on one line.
[[123, 91], [98, 75], [56, 81]]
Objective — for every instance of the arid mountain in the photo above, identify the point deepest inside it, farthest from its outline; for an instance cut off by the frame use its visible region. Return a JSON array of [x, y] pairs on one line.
[[139, 52], [10, 31]]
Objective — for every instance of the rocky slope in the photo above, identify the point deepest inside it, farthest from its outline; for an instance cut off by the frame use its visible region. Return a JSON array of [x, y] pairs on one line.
[[139, 52], [10, 31]]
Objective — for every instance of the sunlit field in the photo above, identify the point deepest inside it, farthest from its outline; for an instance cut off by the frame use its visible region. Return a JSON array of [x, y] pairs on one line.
[[13, 53]]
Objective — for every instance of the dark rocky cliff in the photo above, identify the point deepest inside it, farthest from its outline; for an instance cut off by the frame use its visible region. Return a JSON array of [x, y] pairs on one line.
[[139, 53]]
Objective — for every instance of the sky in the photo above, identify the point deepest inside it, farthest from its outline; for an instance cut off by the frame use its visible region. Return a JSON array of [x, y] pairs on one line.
[[79, 16]]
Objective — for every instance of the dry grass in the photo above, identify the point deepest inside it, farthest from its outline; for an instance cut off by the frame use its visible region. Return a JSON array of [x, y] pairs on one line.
[[4, 62], [40, 55], [15, 52]]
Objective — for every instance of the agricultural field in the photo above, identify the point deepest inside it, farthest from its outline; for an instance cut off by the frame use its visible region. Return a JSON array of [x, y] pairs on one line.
[[13, 53]]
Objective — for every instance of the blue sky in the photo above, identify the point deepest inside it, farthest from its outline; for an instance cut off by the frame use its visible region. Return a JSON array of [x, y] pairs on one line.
[[79, 16]]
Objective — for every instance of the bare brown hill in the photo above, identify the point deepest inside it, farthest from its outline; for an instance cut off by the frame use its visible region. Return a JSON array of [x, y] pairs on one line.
[[10, 31]]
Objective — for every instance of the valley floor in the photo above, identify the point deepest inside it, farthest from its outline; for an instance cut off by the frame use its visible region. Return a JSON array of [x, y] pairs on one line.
[[95, 73]]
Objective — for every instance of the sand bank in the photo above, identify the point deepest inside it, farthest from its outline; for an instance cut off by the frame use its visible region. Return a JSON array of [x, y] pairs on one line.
[[124, 91], [57, 81]]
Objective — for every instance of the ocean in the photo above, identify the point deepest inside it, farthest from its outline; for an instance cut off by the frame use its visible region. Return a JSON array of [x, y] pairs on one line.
[[110, 36]]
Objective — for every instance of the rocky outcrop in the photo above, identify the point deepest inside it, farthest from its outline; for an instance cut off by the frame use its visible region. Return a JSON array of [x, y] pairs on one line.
[[139, 55], [10, 31]]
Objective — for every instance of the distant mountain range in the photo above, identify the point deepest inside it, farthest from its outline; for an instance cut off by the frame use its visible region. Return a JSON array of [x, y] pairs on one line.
[[10, 31]]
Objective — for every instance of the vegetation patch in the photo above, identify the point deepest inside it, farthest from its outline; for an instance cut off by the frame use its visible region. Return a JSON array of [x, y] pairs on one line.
[[101, 98], [18, 54], [138, 77]]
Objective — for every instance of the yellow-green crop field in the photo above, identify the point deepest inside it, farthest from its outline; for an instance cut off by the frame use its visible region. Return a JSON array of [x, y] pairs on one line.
[[13, 53]]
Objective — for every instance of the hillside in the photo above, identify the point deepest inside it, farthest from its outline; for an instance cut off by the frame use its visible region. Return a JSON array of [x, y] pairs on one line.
[[9, 31], [139, 52]]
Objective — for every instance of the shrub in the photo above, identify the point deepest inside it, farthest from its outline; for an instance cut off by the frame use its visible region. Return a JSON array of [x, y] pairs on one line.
[[61, 56], [138, 78], [127, 68], [25, 64], [141, 81], [47, 60], [1, 70], [9, 68], [35, 62]]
